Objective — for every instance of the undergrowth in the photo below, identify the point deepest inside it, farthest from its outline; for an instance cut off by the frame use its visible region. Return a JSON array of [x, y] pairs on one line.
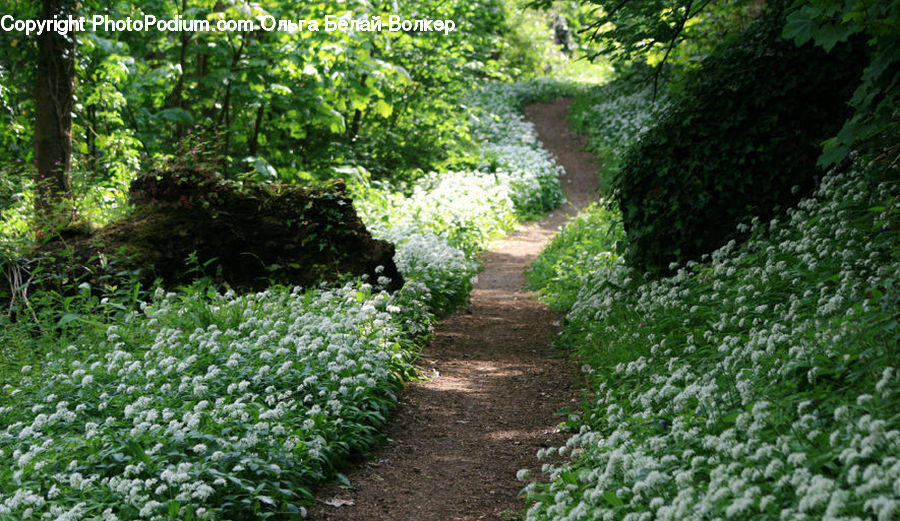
[[203, 404], [761, 384], [588, 243], [614, 116]]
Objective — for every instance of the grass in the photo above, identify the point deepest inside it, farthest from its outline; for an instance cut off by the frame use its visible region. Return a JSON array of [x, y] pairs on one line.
[[587, 243]]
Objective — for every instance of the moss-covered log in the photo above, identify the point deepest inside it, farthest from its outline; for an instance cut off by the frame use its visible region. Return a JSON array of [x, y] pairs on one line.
[[244, 235]]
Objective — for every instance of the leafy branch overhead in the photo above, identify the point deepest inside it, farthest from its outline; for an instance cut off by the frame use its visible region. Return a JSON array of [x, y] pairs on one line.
[[875, 124], [628, 30], [676, 34]]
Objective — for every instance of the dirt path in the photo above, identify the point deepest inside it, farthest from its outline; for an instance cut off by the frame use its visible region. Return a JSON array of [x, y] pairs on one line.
[[459, 438]]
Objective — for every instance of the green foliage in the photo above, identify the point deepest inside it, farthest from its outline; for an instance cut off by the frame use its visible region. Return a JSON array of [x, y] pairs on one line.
[[762, 385], [197, 404], [682, 32], [614, 116], [529, 50], [741, 140], [658, 33], [16, 113], [211, 384], [874, 127], [47, 302], [276, 106], [587, 244]]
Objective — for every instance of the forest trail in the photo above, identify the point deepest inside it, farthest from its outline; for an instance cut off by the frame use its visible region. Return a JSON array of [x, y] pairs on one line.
[[458, 439]]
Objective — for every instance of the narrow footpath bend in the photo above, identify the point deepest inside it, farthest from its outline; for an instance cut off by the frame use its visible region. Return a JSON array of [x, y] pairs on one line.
[[459, 438]]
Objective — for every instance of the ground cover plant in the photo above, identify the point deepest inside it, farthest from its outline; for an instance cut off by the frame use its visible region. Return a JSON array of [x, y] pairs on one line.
[[587, 244], [211, 405], [614, 116], [205, 406], [761, 384]]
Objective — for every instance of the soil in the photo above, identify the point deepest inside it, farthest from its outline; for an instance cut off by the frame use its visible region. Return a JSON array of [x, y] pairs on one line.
[[495, 389]]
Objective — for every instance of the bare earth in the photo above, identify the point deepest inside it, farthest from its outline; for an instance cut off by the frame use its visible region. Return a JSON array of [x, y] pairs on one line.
[[458, 439]]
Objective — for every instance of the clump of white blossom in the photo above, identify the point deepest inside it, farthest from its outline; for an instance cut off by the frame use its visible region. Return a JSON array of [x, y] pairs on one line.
[[616, 116], [173, 415], [761, 384], [447, 217], [510, 148], [466, 209]]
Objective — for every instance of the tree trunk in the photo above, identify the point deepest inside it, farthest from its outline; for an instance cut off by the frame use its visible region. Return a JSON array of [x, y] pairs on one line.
[[53, 100], [175, 97], [226, 105], [353, 131], [253, 146]]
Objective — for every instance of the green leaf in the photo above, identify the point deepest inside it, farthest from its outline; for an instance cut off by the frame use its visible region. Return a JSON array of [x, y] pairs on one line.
[[829, 35], [800, 26], [67, 318], [263, 170], [833, 153], [176, 115], [383, 108], [358, 102], [280, 90], [342, 479], [612, 498], [731, 418]]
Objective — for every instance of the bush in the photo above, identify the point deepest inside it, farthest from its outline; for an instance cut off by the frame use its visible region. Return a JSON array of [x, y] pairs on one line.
[[740, 140]]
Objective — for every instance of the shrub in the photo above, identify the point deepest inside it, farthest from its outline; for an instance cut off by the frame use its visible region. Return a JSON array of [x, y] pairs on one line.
[[740, 140]]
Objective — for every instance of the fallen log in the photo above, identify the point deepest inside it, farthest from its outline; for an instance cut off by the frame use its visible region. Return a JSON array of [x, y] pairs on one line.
[[188, 224]]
